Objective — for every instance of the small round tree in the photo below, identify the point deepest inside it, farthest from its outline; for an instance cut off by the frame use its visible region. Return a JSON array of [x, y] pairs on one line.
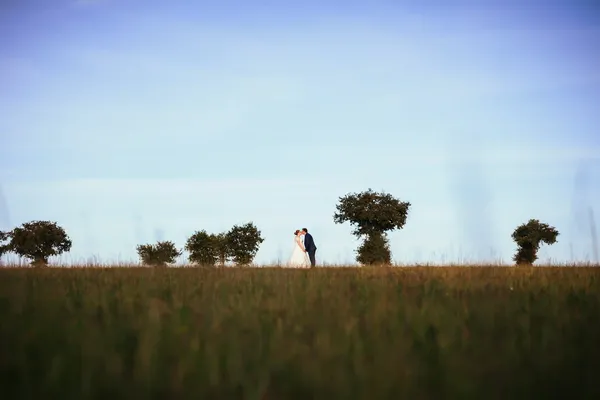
[[243, 243], [203, 248], [39, 240], [159, 254], [528, 238], [373, 214]]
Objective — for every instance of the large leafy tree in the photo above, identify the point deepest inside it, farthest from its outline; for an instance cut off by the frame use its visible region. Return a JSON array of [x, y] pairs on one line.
[[372, 214], [529, 237], [159, 254], [243, 242], [203, 248], [39, 240]]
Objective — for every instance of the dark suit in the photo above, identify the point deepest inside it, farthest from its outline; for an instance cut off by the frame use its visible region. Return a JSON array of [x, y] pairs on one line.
[[311, 248]]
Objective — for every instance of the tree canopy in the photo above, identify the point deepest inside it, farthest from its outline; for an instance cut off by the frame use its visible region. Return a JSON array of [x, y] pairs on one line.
[[159, 254], [4, 248], [39, 240], [529, 237], [371, 211], [203, 248], [243, 242]]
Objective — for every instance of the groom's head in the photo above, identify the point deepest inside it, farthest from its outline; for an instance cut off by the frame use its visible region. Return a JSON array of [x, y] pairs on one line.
[[304, 231]]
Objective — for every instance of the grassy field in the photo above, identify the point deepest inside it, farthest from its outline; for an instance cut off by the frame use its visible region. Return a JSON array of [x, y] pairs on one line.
[[328, 333]]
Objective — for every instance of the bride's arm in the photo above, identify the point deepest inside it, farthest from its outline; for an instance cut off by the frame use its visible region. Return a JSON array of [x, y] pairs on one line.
[[300, 243]]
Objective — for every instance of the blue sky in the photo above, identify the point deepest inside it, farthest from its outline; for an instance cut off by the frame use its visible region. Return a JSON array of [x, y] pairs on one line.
[[132, 121]]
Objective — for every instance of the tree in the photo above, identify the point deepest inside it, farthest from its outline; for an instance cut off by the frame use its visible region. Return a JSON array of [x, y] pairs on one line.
[[222, 248], [4, 248], [39, 240], [528, 238], [243, 243], [159, 254], [203, 248], [372, 214]]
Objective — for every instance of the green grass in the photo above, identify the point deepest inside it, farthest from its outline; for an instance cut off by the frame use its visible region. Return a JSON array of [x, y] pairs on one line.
[[328, 333]]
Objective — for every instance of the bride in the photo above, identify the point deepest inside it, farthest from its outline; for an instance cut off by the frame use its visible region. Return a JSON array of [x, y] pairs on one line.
[[299, 257]]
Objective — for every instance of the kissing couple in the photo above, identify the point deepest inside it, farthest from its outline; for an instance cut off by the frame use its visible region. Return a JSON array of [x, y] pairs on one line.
[[304, 251]]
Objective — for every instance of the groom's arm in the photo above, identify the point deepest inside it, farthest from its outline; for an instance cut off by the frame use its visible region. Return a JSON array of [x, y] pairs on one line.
[[306, 242], [310, 243]]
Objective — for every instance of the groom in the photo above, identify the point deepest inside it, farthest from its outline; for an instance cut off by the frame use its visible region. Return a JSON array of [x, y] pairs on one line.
[[309, 245]]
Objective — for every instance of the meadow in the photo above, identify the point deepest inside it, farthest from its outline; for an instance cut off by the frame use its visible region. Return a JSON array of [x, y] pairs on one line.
[[326, 333]]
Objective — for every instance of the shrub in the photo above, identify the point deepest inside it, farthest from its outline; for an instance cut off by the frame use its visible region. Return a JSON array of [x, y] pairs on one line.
[[159, 254], [374, 250]]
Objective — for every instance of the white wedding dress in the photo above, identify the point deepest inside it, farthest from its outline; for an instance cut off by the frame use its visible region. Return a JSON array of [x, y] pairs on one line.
[[299, 258]]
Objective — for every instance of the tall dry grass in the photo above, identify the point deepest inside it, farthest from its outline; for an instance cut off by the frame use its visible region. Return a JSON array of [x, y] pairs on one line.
[[271, 333]]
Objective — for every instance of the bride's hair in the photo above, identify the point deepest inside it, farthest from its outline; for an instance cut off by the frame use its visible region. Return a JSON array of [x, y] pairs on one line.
[[296, 232]]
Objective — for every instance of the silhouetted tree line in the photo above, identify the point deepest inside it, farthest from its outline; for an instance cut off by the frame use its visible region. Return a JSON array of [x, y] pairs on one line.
[[40, 240], [372, 214]]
